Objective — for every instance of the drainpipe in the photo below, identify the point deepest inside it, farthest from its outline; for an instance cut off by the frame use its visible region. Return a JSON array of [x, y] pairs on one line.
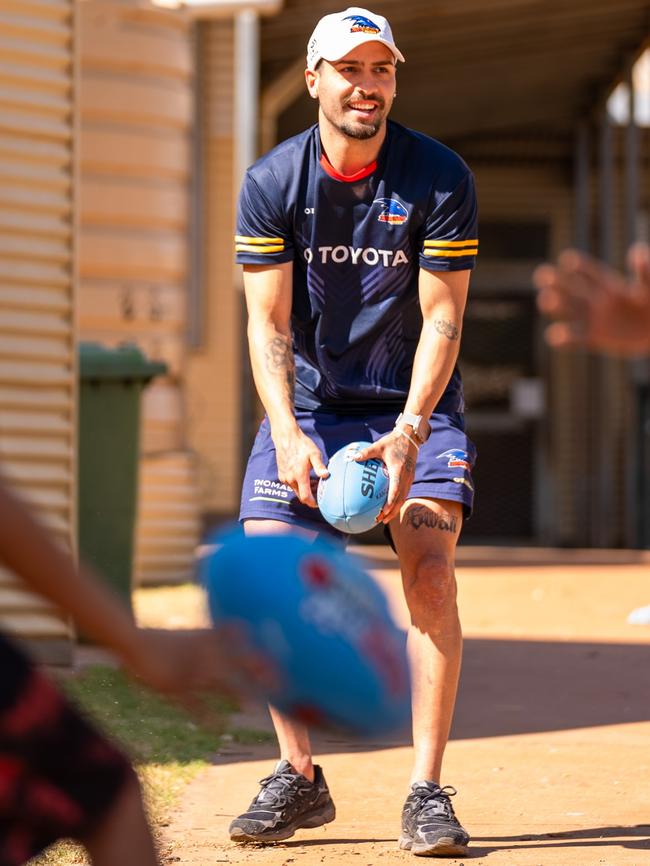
[[247, 61], [247, 67], [632, 160]]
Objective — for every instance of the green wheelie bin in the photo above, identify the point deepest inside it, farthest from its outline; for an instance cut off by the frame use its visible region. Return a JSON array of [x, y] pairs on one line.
[[111, 381]]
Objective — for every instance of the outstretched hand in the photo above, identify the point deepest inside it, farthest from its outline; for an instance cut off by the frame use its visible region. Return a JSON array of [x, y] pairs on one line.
[[186, 664], [399, 454], [594, 306]]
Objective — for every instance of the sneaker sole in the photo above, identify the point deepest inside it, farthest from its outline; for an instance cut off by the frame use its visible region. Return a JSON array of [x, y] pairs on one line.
[[306, 822], [445, 846]]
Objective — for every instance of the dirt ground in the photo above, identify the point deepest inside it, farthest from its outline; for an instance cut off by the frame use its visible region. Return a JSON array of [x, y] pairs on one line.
[[550, 749]]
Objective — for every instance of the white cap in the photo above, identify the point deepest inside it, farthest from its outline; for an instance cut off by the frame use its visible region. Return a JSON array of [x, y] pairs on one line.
[[337, 34]]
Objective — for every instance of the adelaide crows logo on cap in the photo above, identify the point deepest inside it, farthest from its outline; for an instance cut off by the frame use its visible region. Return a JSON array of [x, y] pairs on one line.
[[361, 24], [392, 211]]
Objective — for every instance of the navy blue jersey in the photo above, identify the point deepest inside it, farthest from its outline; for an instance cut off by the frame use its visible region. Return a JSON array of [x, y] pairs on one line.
[[357, 247]]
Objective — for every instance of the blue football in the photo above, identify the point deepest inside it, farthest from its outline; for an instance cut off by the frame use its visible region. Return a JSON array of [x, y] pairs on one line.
[[321, 621], [354, 493]]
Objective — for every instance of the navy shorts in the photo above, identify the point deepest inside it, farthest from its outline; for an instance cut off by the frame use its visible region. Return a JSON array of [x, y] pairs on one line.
[[59, 776], [442, 471]]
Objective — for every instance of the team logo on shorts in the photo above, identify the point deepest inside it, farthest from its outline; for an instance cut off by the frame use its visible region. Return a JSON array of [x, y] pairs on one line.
[[392, 211], [361, 24], [457, 458]]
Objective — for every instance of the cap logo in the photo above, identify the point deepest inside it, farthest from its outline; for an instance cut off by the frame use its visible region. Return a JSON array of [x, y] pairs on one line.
[[361, 24]]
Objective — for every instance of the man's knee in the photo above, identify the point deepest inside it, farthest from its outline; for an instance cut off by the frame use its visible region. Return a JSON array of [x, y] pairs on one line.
[[430, 585]]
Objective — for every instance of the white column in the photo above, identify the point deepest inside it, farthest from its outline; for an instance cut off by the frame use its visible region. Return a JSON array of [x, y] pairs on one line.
[[247, 66]]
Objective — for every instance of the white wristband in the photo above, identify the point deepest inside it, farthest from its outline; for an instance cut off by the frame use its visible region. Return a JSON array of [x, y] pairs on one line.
[[404, 433]]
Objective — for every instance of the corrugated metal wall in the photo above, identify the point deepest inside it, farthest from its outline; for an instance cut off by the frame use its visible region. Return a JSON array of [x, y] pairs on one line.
[[136, 122], [37, 347], [168, 518], [214, 374], [137, 116]]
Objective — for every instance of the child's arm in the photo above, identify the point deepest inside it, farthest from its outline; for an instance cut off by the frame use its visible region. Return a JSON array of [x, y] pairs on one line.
[[169, 661]]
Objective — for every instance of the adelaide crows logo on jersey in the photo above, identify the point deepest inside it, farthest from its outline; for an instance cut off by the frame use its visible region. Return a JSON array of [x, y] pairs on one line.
[[391, 211], [456, 457], [361, 24]]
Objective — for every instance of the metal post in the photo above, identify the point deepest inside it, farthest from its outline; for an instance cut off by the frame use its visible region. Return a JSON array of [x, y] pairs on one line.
[[606, 189], [581, 186], [631, 165], [633, 464], [576, 367], [605, 398], [247, 70], [195, 236]]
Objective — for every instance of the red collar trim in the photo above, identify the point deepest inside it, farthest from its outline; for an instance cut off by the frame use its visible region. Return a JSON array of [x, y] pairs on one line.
[[347, 178]]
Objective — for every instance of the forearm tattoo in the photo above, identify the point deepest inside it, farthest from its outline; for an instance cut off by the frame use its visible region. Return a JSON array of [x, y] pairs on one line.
[[420, 515], [280, 361], [446, 328], [401, 453]]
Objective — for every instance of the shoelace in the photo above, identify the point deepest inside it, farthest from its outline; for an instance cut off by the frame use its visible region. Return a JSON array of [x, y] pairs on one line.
[[274, 788], [436, 799]]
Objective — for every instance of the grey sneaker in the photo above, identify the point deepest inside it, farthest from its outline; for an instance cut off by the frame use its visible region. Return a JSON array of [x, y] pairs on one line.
[[429, 826], [286, 802]]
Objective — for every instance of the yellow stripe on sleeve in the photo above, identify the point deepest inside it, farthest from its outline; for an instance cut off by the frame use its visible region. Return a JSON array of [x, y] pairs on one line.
[[451, 253], [250, 248], [451, 244], [242, 239]]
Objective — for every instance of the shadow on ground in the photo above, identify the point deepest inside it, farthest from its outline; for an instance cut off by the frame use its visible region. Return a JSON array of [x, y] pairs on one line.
[[632, 838], [622, 837], [519, 687], [511, 687]]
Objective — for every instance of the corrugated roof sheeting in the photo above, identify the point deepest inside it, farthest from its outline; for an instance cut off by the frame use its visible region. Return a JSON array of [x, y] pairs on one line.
[[37, 365], [473, 66]]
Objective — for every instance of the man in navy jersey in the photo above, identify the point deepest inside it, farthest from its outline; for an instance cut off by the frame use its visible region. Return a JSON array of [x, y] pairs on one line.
[[357, 239]]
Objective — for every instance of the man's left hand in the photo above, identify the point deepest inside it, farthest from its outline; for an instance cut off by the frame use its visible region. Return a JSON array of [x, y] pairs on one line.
[[399, 454]]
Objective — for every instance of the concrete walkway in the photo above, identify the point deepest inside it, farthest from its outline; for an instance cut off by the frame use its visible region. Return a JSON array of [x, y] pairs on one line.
[[550, 749]]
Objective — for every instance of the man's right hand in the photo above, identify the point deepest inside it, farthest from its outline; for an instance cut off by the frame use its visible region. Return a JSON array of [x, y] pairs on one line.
[[296, 456]]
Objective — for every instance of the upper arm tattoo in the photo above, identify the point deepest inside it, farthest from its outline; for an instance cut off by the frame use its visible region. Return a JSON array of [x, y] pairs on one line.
[[280, 360], [446, 328]]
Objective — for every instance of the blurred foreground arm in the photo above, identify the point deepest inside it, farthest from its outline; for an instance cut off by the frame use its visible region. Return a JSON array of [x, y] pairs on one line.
[[172, 662], [596, 307]]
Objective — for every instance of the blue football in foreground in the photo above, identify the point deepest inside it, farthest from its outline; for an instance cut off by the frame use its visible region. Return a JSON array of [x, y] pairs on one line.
[[354, 493], [321, 621]]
